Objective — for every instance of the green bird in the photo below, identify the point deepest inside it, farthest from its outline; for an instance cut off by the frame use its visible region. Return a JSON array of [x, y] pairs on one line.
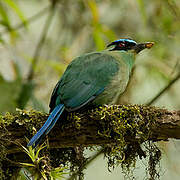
[[95, 78]]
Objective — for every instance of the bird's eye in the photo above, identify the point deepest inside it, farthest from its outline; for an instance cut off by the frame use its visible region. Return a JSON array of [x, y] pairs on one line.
[[121, 44]]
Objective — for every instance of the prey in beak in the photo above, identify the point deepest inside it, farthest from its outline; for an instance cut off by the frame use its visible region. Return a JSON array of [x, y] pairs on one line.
[[140, 46]]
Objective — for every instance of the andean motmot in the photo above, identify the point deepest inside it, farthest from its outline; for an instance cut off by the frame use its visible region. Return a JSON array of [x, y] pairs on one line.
[[95, 78]]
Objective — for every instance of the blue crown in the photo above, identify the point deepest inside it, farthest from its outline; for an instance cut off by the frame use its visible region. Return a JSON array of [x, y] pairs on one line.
[[126, 40]]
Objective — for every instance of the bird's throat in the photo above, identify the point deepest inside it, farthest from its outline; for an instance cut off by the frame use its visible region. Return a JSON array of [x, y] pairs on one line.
[[128, 57]]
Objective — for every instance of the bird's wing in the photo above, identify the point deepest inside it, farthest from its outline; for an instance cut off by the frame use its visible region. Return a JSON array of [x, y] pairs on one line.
[[84, 79]]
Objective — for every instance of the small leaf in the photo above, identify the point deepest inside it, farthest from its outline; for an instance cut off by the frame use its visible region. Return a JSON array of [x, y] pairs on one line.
[[39, 149], [27, 164]]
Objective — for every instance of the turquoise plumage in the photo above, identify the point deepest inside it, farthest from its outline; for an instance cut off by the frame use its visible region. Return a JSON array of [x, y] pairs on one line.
[[92, 79]]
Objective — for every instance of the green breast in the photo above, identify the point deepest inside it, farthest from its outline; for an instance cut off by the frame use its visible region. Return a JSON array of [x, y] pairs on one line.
[[120, 80]]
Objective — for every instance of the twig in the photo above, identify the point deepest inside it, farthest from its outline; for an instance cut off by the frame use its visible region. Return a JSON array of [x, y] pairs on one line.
[[28, 86], [29, 20], [41, 42], [164, 89]]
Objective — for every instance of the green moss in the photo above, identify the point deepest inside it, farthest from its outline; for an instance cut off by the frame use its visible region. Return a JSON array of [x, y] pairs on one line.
[[129, 130], [24, 118], [128, 127], [27, 118], [77, 121]]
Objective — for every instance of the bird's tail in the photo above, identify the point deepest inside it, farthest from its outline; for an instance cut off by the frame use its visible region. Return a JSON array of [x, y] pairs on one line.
[[48, 125]]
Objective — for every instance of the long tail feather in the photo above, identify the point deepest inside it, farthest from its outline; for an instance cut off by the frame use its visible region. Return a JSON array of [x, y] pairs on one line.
[[48, 125]]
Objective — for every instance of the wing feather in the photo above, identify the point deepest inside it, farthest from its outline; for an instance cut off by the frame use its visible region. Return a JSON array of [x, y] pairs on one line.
[[84, 79]]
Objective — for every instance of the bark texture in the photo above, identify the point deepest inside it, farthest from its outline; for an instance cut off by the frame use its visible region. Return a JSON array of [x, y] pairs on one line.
[[119, 129], [97, 126]]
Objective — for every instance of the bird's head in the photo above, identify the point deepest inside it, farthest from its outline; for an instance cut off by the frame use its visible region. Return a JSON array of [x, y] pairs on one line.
[[129, 44]]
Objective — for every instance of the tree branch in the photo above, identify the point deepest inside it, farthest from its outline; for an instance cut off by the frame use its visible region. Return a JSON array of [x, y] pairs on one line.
[[98, 126], [118, 129]]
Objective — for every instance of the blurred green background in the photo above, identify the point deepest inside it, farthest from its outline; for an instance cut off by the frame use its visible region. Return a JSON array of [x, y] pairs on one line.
[[38, 40]]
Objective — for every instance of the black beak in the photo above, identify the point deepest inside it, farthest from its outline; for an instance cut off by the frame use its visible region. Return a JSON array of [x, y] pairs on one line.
[[140, 46]]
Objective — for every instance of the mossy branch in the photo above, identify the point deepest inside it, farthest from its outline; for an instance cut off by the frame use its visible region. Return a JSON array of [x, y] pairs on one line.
[[120, 129], [98, 126]]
